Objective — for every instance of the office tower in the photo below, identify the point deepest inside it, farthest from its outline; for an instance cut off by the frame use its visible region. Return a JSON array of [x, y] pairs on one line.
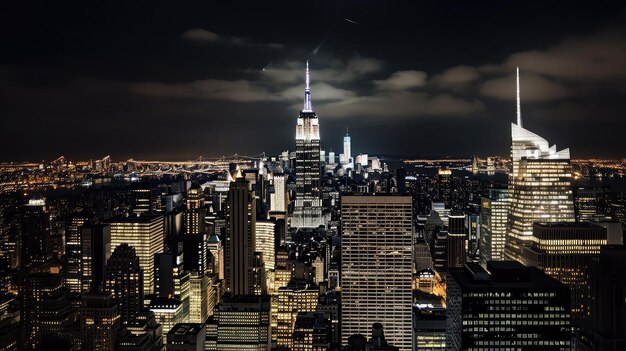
[[609, 290], [265, 232], [457, 239], [186, 337], [144, 198], [73, 256], [257, 185], [198, 298], [216, 249], [143, 333], [376, 259], [36, 246], [401, 179], [278, 198], [174, 228], [312, 332], [171, 279], [240, 323], [439, 251], [195, 212], [444, 186], [145, 235], [429, 328], [507, 306], [168, 311], [539, 185], [331, 158], [494, 211], [100, 320], [47, 308], [346, 157], [297, 296], [308, 203], [566, 252], [124, 280], [240, 241], [318, 266], [95, 251], [195, 253], [591, 204]]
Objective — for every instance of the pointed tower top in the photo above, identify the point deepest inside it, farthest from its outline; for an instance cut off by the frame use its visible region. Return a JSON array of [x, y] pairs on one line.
[[347, 131], [519, 109], [307, 92]]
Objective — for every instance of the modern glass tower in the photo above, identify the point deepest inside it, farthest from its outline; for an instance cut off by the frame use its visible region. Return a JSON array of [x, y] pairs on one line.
[[308, 203], [539, 185]]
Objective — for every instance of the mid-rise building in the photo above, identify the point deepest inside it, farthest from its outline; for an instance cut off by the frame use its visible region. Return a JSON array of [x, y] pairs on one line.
[[376, 265], [506, 307], [100, 321]]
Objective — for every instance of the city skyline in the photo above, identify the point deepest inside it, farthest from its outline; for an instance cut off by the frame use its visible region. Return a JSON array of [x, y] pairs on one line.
[[83, 89]]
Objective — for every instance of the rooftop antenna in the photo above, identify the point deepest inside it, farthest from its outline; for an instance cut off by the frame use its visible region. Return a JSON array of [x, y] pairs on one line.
[[519, 110]]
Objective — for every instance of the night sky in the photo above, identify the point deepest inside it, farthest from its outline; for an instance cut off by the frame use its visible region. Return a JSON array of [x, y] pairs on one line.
[[176, 79]]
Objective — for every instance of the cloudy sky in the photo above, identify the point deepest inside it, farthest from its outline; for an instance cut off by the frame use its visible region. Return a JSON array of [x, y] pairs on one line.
[[178, 79]]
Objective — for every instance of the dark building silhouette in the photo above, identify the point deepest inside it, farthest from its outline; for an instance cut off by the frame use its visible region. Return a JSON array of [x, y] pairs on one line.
[[124, 280]]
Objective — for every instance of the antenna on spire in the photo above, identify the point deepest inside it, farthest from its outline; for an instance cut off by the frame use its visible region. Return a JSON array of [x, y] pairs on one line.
[[346, 130], [519, 109], [307, 91]]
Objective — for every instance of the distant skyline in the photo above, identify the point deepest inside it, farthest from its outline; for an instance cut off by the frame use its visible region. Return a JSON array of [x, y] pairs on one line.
[[178, 80]]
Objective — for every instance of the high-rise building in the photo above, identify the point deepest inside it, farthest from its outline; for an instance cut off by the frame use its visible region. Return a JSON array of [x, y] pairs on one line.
[[144, 198], [539, 185], [171, 279], [100, 320], [346, 158], [297, 296], [168, 311], [506, 307], [186, 337], [444, 185], [240, 323], [124, 280], [566, 252], [609, 290], [429, 328], [278, 198], [591, 204], [264, 232], [240, 240], [73, 256], [198, 298], [143, 333], [145, 235], [457, 239], [308, 203], [494, 211], [36, 246], [216, 249], [47, 308], [195, 212], [376, 265], [95, 251]]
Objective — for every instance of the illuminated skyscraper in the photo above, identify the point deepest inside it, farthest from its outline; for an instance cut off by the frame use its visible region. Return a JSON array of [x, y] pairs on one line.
[[36, 244], [444, 185], [376, 266], [298, 296], [278, 199], [494, 213], [539, 185], [264, 233], [145, 235], [457, 239], [346, 157], [308, 203], [73, 256]]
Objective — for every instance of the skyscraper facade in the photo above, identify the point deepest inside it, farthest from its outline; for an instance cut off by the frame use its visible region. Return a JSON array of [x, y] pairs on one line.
[[539, 185], [376, 271], [308, 203], [494, 211], [145, 235], [240, 241], [124, 280]]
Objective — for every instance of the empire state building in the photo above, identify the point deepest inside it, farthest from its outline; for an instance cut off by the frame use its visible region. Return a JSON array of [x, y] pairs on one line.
[[307, 211]]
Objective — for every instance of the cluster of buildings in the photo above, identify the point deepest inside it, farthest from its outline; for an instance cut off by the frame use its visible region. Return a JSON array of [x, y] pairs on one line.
[[305, 251]]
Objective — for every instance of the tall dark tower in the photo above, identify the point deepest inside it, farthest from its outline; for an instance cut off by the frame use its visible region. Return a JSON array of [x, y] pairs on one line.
[[124, 280], [240, 241], [308, 204]]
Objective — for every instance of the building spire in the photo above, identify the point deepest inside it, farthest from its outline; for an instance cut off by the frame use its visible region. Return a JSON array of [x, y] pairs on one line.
[[347, 131], [519, 109], [307, 91]]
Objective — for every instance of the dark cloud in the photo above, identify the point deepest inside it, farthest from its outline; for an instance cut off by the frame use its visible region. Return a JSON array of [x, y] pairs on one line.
[[178, 80]]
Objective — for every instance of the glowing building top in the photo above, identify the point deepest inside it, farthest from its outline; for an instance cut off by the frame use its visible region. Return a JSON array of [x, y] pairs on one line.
[[308, 125]]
